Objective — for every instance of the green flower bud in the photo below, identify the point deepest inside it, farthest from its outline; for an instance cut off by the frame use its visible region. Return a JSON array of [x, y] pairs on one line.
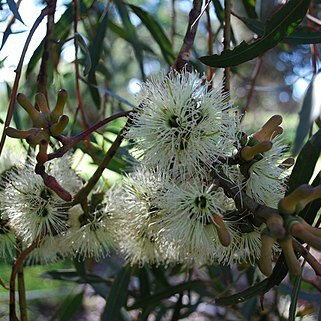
[[59, 108], [36, 117], [42, 103], [249, 152], [270, 129], [293, 202], [223, 234], [290, 257], [57, 128], [265, 261]]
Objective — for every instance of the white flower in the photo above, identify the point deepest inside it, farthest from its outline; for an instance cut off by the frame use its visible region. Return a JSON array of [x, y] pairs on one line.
[[49, 250], [266, 182], [94, 238], [32, 209], [181, 124], [136, 210], [189, 219]]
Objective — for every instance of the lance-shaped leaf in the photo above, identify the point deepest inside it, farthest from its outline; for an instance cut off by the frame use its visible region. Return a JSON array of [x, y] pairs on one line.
[[310, 111], [281, 25], [302, 35], [14, 9], [117, 298], [156, 31]]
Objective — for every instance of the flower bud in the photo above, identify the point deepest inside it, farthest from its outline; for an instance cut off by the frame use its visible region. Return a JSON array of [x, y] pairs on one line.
[[249, 152], [42, 103], [290, 257], [52, 183], [293, 202], [37, 118], [22, 134], [59, 108], [265, 261], [299, 228], [275, 225], [57, 128], [270, 129], [223, 234], [36, 137]]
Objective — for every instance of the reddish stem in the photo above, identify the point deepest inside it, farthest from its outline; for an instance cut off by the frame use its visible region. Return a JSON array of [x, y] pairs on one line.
[[44, 12], [76, 139]]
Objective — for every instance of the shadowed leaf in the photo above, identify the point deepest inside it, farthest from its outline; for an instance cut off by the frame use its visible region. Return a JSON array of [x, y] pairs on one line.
[[310, 111], [14, 9], [157, 33], [281, 25], [117, 298]]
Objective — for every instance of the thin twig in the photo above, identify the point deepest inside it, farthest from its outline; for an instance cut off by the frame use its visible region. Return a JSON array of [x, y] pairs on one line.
[[15, 269], [47, 10], [22, 294], [173, 26], [254, 76], [47, 52], [70, 142], [313, 262], [78, 94], [226, 42], [210, 70], [84, 192], [183, 56], [243, 201]]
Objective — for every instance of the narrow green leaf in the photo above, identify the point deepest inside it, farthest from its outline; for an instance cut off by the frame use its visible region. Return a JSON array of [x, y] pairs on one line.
[[279, 272], [95, 51], [311, 210], [6, 35], [73, 276], [84, 48], [70, 306], [306, 160], [121, 32], [117, 298], [310, 111], [249, 6], [157, 33], [14, 9], [281, 25], [294, 298], [302, 35], [154, 299], [132, 34], [62, 29]]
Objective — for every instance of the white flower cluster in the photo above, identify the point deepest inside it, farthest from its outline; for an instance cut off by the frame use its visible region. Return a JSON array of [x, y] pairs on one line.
[[172, 207], [31, 212]]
